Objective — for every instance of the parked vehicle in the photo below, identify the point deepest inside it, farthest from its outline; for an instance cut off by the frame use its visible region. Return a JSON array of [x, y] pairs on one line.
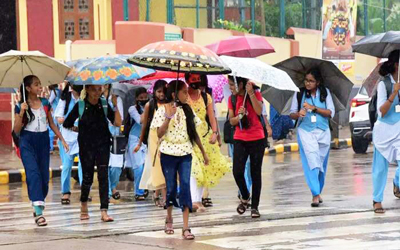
[[360, 127]]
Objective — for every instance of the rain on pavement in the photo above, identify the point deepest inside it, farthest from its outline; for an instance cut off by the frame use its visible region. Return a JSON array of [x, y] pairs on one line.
[[345, 219]]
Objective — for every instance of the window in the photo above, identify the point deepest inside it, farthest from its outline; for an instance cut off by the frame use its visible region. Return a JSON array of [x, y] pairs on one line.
[[76, 20]]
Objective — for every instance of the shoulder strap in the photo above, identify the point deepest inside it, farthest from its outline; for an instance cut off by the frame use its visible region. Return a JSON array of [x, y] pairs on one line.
[[104, 104], [204, 95], [388, 85], [300, 98], [81, 104]]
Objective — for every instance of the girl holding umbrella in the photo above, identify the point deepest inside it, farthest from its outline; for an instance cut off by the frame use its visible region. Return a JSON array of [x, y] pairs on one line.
[[314, 136], [33, 116], [386, 133], [94, 143], [176, 127]]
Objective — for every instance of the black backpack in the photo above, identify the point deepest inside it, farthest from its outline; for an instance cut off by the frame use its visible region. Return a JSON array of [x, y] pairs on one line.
[[372, 107]]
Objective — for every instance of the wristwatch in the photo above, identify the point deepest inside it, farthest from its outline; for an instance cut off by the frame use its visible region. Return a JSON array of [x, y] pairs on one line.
[[315, 110]]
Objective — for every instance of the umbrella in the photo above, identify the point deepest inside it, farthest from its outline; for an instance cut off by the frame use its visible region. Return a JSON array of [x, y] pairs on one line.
[[105, 70], [159, 74], [179, 56], [15, 65], [339, 85], [274, 81], [372, 80], [379, 45], [242, 46]]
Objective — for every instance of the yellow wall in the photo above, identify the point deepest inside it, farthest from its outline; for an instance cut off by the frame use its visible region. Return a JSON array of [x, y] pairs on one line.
[[184, 17], [282, 51], [23, 25], [91, 50], [208, 36], [310, 44]]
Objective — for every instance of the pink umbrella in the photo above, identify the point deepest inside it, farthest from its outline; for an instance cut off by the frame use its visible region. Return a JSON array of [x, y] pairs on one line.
[[242, 46]]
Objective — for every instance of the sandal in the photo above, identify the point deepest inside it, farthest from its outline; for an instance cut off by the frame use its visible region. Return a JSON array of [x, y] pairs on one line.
[[116, 195], [65, 201], [187, 234], [106, 219], [146, 193], [140, 198], [198, 209], [169, 229], [255, 213], [321, 200], [157, 200], [378, 210], [241, 209], [207, 202], [85, 214], [41, 221], [396, 191]]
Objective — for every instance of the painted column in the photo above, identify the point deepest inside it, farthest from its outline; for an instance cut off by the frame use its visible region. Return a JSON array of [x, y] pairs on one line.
[[23, 25]]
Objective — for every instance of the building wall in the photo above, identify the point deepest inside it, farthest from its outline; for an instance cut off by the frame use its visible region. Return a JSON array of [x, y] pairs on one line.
[[40, 23]]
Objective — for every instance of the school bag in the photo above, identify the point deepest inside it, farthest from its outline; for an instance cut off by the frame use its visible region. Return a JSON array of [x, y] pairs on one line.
[[372, 106]]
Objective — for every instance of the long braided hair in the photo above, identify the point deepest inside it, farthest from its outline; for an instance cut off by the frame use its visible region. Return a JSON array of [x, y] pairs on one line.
[[28, 116]]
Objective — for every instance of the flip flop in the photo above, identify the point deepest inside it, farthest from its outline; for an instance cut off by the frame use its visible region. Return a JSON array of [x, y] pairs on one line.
[[41, 221], [378, 210], [187, 234]]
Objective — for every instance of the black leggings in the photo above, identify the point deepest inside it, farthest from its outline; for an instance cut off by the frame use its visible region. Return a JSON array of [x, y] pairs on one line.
[[241, 151], [89, 158]]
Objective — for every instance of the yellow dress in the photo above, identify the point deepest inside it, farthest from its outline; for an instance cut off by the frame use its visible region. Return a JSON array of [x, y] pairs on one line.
[[219, 165]]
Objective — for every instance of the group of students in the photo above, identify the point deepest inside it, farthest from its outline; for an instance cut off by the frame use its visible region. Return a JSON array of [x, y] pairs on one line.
[[176, 135]]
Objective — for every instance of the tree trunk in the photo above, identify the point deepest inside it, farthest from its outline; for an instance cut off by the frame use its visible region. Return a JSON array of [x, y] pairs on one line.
[[263, 27]]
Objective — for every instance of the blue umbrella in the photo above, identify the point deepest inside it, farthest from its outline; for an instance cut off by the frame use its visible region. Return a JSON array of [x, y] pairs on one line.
[[104, 70]]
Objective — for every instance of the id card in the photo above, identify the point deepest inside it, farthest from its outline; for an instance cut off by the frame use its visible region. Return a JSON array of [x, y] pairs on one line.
[[313, 119], [397, 108]]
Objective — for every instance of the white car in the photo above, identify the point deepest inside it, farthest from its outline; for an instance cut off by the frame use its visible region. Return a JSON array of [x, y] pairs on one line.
[[360, 127]]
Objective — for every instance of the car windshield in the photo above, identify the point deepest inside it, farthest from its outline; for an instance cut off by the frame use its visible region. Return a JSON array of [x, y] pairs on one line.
[[363, 91]]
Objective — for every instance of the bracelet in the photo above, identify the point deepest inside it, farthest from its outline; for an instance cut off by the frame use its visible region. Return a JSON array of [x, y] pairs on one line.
[[169, 117], [390, 100]]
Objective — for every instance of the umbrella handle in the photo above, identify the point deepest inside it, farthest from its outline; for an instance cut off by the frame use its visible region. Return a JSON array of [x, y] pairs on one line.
[[177, 79]]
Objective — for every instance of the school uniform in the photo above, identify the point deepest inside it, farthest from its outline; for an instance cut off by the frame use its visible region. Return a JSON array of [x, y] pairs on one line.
[[71, 137], [136, 160], [386, 139], [116, 161], [314, 137]]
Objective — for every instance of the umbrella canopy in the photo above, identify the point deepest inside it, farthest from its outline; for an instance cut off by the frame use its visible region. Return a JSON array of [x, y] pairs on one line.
[[105, 70], [372, 80], [379, 45], [242, 46], [339, 85], [15, 65], [179, 56], [159, 74], [275, 81]]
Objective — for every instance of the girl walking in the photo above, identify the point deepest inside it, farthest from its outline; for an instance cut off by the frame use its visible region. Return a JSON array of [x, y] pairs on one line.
[[136, 159], [33, 116], [245, 114], [94, 143], [153, 177], [176, 127], [116, 160], [386, 133], [69, 97], [314, 136], [204, 176]]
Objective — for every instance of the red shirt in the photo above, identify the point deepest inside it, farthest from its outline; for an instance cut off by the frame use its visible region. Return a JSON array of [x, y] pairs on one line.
[[255, 131]]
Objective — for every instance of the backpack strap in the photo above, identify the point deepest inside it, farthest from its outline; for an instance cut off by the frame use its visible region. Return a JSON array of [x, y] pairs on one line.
[[300, 96], [205, 99], [388, 85], [104, 104], [46, 105], [81, 104]]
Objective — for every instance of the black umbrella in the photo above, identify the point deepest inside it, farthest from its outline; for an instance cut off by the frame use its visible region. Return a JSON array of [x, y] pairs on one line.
[[379, 45], [339, 85]]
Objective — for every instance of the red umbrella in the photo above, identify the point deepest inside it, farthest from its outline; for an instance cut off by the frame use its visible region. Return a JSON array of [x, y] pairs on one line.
[[159, 74], [242, 46]]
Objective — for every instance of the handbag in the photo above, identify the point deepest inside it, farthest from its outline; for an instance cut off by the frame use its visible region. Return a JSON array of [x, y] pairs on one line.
[[229, 130], [119, 143]]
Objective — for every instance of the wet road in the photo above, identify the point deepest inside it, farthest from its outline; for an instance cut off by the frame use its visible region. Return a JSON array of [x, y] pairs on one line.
[[345, 220]]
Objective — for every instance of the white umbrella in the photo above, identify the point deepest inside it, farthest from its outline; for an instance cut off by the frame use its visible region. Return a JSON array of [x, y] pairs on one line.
[[275, 80], [15, 65]]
